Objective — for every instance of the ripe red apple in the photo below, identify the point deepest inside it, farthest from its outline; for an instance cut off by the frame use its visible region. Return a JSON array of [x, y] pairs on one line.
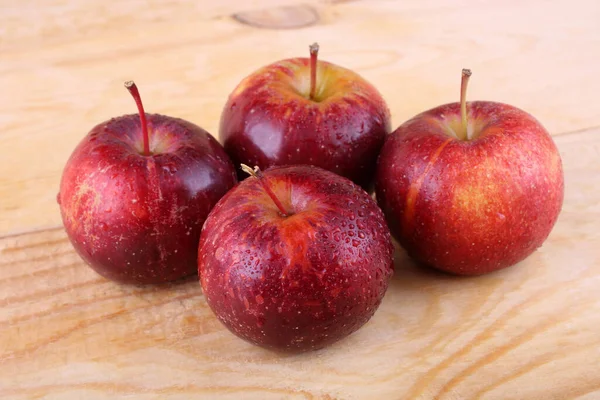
[[300, 111], [135, 193], [470, 188], [295, 258]]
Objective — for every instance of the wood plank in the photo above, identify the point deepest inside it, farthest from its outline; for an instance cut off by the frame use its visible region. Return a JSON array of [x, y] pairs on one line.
[[528, 332], [63, 63]]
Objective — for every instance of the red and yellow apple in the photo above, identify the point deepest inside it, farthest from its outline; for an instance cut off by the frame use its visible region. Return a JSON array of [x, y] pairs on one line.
[[306, 111], [135, 193], [295, 258], [472, 187]]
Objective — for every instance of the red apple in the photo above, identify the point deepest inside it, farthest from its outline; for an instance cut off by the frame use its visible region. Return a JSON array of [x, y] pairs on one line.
[[295, 259], [300, 111], [135, 193], [470, 188]]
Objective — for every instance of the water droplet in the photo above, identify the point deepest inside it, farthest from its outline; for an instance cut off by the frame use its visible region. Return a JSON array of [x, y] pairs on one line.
[[170, 168], [361, 235]]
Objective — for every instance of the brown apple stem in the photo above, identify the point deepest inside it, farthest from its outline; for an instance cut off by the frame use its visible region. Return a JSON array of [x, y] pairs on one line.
[[130, 85], [466, 73], [258, 175], [314, 52]]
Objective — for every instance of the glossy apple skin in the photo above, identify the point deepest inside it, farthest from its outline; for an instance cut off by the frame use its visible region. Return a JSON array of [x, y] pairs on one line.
[[470, 207], [135, 218], [300, 282], [269, 120]]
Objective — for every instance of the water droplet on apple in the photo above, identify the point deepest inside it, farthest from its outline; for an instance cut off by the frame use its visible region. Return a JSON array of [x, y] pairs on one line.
[[361, 235], [170, 168]]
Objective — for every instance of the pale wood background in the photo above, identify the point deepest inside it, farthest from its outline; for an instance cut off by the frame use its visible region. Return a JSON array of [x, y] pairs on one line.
[[530, 332]]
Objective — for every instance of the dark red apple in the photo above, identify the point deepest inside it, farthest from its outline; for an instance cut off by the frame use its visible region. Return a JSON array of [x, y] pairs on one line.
[[135, 193], [300, 111], [470, 188], [295, 258]]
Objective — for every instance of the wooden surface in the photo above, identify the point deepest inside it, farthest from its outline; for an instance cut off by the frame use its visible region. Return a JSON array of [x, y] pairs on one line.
[[529, 332]]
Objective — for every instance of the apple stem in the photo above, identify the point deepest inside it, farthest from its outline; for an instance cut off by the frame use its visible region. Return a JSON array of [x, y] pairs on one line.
[[130, 85], [259, 175], [466, 73], [314, 52]]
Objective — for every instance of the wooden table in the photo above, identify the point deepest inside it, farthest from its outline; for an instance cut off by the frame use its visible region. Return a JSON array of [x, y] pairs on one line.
[[529, 332]]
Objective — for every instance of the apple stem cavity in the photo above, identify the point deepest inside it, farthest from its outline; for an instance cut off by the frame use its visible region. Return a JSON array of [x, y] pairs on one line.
[[256, 173], [130, 85], [314, 52], [466, 73]]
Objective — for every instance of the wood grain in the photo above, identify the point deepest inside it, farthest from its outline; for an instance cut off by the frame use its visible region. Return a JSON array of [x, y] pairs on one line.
[[529, 332]]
